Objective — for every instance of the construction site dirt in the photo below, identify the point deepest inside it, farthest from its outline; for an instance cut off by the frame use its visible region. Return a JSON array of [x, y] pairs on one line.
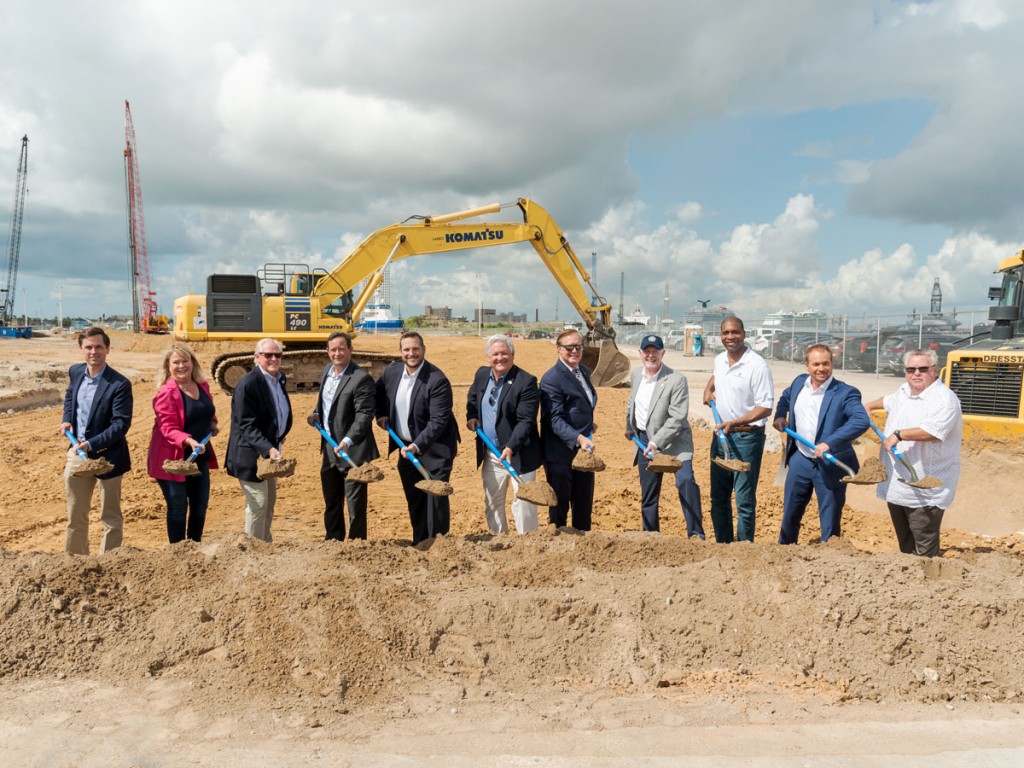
[[614, 646]]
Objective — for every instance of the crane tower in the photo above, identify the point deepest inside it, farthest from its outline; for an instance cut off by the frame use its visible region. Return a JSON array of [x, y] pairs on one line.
[[145, 316], [14, 244]]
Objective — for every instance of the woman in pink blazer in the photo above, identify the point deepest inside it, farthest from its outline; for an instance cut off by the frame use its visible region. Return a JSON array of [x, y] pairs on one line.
[[185, 414]]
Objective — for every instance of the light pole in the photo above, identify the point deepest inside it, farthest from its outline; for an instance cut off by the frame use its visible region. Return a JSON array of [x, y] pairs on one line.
[[479, 307], [60, 308]]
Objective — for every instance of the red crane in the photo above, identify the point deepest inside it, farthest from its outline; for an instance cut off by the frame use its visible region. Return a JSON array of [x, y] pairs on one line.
[[145, 316]]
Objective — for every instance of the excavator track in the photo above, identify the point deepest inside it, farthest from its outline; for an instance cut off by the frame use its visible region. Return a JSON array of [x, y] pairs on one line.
[[302, 367]]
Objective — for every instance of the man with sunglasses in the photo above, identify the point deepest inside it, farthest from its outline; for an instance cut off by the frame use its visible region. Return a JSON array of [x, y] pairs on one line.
[[567, 402], [503, 403], [261, 416], [925, 422]]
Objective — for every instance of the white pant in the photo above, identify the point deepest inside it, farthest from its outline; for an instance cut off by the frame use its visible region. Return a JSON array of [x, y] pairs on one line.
[[259, 507], [496, 478]]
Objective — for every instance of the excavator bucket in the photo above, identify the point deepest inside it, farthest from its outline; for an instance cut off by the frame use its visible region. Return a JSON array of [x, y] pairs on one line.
[[608, 367]]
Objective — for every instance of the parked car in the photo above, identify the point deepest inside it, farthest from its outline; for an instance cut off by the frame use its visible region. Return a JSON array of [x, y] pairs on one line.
[[538, 335], [893, 349]]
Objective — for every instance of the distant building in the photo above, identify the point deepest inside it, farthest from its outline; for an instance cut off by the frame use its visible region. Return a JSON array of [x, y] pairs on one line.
[[487, 316], [444, 314]]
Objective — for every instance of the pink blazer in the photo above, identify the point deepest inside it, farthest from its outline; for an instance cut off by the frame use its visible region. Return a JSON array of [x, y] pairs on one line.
[[168, 438]]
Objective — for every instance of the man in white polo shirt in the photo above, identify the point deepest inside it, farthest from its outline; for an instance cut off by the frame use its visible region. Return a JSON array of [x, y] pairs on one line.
[[743, 392]]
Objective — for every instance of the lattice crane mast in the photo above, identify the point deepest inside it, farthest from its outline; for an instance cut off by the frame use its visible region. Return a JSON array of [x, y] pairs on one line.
[[145, 316], [14, 243]]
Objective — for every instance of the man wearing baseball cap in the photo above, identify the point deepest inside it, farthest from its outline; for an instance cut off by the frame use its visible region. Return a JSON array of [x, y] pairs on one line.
[[658, 414]]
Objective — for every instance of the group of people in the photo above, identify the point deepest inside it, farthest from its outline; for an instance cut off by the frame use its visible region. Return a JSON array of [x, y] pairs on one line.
[[413, 401]]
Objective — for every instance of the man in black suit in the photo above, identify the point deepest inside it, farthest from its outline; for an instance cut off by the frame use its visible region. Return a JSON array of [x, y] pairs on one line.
[[567, 402], [345, 408], [98, 410], [503, 404], [414, 397], [261, 416]]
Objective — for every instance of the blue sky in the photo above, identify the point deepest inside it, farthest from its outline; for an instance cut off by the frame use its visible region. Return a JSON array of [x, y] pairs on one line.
[[842, 162]]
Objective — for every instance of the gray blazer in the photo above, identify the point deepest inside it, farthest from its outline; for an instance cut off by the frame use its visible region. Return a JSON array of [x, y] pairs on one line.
[[668, 423]]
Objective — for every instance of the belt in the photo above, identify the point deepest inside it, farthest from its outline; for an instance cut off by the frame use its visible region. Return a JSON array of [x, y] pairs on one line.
[[746, 429]]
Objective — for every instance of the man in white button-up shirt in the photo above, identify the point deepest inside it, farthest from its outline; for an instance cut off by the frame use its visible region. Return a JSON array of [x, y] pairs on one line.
[[925, 420], [827, 413]]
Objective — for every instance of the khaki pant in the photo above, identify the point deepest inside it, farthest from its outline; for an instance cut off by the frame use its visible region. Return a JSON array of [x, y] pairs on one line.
[[260, 498], [496, 480], [79, 497]]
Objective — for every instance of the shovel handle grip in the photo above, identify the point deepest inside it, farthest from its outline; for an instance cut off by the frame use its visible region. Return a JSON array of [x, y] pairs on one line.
[[494, 449], [409, 455], [71, 437], [195, 451], [331, 441]]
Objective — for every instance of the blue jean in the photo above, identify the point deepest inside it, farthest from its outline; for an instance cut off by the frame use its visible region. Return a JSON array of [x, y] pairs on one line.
[[743, 446], [187, 501]]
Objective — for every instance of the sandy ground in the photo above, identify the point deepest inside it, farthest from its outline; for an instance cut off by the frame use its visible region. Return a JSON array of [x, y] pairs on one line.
[[556, 648]]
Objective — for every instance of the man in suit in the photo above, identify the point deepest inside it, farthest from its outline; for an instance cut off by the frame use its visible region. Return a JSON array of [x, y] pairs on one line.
[[658, 413], [414, 398], [345, 408], [261, 416], [829, 414], [567, 402], [503, 403], [98, 410]]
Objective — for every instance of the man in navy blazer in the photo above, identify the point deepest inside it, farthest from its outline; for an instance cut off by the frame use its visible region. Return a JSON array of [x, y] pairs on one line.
[[98, 410], [261, 416], [829, 414], [567, 402], [414, 398], [503, 403], [345, 408]]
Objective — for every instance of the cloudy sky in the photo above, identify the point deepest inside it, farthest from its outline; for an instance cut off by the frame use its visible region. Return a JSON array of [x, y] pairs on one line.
[[763, 155]]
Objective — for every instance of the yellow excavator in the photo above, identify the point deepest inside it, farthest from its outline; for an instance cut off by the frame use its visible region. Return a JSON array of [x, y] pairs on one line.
[[987, 370], [302, 307]]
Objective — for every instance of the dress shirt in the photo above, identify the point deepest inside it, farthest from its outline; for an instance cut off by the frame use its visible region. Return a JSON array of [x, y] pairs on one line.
[[583, 382], [280, 402], [403, 399], [937, 411], [806, 411], [327, 395], [489, 407], [642, 401], [86, 394]]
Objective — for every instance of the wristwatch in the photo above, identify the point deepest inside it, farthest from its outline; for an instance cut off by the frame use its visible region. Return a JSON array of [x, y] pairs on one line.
[[898, 435]]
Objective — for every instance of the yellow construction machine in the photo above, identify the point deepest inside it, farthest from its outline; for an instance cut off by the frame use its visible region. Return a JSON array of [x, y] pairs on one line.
[[302, 307], [987, 370]]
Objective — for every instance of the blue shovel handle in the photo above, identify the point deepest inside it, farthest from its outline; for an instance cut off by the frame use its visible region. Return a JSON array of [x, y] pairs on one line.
[[71, 437], [640, 443], [330, 440], [195, 451], [809, 444], [409, 455], [497, 454], [718, 424], [881, 436]]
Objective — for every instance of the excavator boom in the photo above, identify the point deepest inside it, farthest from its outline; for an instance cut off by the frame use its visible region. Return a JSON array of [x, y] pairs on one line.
[[304, 318]]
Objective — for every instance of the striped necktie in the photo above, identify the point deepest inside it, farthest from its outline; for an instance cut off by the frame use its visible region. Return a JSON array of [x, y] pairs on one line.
[[586, 390]]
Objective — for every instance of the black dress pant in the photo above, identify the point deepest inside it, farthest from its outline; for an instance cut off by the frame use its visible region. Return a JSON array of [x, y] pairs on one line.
[[339, 492], [430, 515]]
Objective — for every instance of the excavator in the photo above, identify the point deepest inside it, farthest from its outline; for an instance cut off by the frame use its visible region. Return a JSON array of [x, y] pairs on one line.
[[302, 307], [986, 371]]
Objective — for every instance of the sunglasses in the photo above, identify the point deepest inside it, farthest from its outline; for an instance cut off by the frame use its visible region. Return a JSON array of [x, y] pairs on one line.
[[271, 354], [918, 369], [572, 347]]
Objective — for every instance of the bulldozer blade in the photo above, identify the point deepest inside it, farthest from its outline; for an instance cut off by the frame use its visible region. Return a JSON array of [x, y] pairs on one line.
[[608, 366]]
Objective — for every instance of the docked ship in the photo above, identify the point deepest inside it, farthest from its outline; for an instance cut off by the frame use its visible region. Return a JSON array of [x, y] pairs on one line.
[[377, 317], [637, 318], [790, 321]]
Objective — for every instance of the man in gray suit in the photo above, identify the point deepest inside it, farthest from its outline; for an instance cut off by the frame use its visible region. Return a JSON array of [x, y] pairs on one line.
[[345, 409], [658, 413]]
